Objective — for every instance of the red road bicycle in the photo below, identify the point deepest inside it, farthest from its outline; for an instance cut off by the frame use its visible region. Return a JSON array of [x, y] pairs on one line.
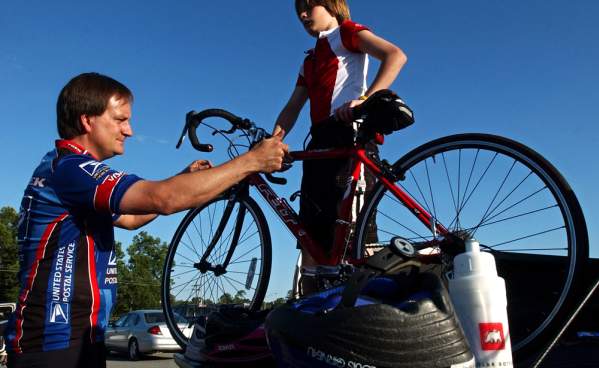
[[507, 196]]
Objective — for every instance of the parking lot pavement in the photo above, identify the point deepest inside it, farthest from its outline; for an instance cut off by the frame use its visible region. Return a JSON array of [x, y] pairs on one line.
[[158, 360]]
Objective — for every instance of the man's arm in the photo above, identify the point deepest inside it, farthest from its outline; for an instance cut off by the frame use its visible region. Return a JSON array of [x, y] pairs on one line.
[[192, 189], [133, 222], [290, 112]]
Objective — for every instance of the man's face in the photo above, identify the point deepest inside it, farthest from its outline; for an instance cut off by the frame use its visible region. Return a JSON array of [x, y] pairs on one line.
[[109, 130]]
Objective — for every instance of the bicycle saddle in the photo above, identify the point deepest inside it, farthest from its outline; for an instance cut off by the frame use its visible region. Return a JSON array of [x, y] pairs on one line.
[[384, 112]]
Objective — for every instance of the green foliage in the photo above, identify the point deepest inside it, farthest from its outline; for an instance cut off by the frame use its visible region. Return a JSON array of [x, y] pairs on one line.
[[139, 278], [278, 301], [9, 265]]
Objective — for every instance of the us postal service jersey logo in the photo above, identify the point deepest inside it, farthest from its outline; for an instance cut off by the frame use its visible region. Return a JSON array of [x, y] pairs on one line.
[[59, 313], [94, 168], [111, 270], [62, 283]]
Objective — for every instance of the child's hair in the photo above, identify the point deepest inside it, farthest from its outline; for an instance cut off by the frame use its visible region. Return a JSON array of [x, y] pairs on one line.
[[337, 8]]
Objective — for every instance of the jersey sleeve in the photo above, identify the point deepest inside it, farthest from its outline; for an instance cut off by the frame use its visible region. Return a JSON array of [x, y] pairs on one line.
[[349, 34], [84, 183]]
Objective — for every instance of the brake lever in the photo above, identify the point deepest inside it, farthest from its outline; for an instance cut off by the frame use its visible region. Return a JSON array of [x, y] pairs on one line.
[[182, 137], [275, 180]]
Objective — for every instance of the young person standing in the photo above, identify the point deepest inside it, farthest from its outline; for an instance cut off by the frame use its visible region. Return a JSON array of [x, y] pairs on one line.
[[333, 78]]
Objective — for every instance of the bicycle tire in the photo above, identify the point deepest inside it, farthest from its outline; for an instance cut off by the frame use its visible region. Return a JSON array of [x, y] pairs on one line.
[[183, 257], [529, 328]]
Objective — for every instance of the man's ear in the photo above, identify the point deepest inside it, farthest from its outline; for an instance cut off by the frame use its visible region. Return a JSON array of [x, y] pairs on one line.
[[86, 123]]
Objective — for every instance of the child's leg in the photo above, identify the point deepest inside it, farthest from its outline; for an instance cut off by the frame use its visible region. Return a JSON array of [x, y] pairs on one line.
[[307, 285]]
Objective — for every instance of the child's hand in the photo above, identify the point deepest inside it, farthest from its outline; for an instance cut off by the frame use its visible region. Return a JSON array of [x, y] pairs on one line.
[[197, 165], [345, 111]]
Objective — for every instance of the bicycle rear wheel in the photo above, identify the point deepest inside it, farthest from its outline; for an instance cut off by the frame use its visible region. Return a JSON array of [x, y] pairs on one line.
[[192, 288], [513, 201]]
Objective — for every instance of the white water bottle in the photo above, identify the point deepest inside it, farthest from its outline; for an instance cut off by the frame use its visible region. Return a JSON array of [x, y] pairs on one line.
[[479, 298]]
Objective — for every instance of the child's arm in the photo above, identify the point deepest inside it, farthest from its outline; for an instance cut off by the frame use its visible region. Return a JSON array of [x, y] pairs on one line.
[[392, 60], [391, 57], [290, 112]]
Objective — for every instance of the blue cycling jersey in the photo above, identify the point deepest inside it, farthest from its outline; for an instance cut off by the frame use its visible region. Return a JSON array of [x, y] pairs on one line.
[[66, 251]]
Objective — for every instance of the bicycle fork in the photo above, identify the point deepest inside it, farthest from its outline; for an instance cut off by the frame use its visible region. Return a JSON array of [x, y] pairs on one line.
[[220, 269]]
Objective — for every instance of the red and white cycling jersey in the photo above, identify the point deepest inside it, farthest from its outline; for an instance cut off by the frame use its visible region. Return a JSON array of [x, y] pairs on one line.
[[335, 70]]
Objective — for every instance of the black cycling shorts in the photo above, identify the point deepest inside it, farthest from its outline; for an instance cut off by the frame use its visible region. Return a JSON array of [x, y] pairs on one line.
[[324, 181]]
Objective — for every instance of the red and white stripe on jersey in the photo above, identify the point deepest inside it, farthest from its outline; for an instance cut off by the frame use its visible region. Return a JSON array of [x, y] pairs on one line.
[[71, 146], [93, 284], [335, 70], [39, 255], [104, 192]]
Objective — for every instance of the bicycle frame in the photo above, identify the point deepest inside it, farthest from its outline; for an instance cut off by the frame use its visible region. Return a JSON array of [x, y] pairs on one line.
[[342, 228]]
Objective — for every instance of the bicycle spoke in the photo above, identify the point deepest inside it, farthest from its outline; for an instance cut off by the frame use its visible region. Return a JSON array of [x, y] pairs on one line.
[[239, 262], [231, 284], [518, 202], [398, 223], [204, 245], [505, 198], [515, 216], [528, 250], [243, 237], [236, 259], [468, 196], [496, 194], [183, 273], [239, 282], [458, 223], [526, 237], [182, 256], [459, 180], [426, 206], [189, 282], [430, 189], [453, 199]]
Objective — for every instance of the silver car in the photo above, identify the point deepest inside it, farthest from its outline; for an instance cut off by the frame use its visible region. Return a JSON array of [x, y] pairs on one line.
[[143, 332]]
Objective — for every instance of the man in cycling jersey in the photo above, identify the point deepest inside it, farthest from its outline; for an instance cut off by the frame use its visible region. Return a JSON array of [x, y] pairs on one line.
[[66, 237]]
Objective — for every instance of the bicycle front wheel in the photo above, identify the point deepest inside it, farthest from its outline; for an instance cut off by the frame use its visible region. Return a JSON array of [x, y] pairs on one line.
[[513, 201], [219, 255]]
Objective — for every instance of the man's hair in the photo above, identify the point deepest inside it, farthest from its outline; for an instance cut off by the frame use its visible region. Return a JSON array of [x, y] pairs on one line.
[[337, 8], [86, 94]]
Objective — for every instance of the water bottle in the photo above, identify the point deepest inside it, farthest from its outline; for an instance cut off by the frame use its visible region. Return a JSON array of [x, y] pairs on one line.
[[480, 302]]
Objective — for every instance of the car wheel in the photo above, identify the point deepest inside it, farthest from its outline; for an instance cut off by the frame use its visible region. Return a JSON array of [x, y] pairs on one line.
[[133, 349]]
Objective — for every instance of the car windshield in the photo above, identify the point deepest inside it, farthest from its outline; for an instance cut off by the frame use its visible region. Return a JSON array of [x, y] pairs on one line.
[[157, 317]]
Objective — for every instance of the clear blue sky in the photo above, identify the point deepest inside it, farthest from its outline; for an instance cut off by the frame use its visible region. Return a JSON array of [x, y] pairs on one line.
[[523, 69]]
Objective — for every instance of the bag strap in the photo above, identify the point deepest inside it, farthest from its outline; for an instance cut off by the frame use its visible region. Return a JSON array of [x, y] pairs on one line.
[[387, 261], [354, 287]]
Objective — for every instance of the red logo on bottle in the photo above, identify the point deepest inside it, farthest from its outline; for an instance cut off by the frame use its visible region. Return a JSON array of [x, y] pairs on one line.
[[491, 336]]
